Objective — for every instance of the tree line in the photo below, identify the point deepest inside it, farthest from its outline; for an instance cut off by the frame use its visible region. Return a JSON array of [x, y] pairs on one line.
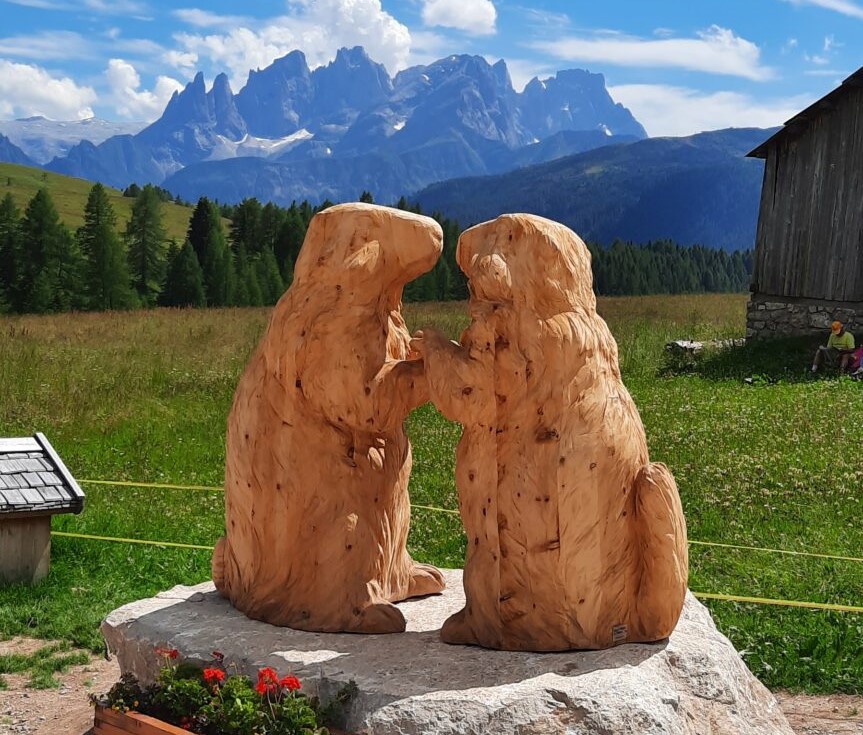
[[45, 267]]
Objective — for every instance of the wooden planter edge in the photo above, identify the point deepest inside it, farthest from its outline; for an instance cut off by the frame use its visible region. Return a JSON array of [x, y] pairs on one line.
[[108, 722]]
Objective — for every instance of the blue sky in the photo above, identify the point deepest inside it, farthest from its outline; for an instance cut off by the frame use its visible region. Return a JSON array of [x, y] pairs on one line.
[[679, 66]]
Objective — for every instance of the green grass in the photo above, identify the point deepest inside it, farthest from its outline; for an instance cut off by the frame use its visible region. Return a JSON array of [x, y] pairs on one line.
[[42, 664], [144, 396], [70, 196]]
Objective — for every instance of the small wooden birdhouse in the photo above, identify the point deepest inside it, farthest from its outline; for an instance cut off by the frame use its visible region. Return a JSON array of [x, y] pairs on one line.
[[34, 485]]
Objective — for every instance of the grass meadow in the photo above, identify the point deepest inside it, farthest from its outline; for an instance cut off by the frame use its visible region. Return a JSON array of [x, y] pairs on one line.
[[764, 455]]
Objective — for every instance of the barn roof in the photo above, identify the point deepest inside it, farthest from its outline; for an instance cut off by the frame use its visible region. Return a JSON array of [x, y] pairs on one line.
[[800, 122], [34, 480]]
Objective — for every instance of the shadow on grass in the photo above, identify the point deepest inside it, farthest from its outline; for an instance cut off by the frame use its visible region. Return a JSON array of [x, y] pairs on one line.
[[758, 362]]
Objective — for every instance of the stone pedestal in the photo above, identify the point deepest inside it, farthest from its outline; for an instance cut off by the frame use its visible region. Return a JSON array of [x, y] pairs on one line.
[[25, 548], [691, 684]]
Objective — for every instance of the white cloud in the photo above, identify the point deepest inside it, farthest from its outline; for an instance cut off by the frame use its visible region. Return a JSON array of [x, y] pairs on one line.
[[318, 27], [105, 7], [30, 90], [538, 18], [206, 19], [816, 59], [715, 50], [183, 60], [839, 75], [521, 71], [42, 4], [667, 110], [48, 45], [476, 17], [127, 97], [845, 7], [116, 7]]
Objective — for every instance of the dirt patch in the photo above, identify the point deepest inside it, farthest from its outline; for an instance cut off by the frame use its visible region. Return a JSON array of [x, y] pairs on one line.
[[66, 710], [832, 714]]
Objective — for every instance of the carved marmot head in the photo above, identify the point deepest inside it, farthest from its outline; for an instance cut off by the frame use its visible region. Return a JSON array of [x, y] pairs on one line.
[[364, 250], [528, 261]]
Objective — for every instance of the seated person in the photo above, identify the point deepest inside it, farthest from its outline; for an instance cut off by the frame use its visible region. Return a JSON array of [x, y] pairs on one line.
[[839, 348]]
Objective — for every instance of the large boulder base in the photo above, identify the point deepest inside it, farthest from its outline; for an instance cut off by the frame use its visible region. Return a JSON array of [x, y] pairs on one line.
[[694, 683]]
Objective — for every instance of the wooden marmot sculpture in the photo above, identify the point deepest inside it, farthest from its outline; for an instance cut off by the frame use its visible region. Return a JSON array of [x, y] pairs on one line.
[[574, 540], [317, 461]]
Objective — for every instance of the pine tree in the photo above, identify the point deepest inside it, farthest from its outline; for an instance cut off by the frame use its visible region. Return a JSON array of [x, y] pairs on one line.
[[289, 242], [272, 218], [269, 278], [184, 284], [106, 272], [10, 251], [208, 240], [367, 197], [242, 290], [145, 236], [246, 226], [50, 264]]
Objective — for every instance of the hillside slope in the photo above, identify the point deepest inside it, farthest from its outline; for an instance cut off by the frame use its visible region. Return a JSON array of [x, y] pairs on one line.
[[70, 196], [695, 190]]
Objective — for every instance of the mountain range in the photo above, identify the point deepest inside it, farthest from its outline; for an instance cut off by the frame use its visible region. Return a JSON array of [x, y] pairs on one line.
[[42, 140], [699, 189], [453, 136], [295, 133]]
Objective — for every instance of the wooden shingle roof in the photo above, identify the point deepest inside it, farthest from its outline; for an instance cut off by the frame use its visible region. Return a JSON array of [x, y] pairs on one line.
[[800, 122], [34, 480]]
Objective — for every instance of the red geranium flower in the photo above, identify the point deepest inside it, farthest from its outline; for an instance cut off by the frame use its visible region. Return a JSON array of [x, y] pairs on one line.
[[268, 675], [211, 676], [171, 653], [261, 688], [291, 683]]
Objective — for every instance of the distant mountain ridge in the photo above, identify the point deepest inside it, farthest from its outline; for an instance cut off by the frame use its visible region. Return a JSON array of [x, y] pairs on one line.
[[699, 189], [11, 153], [42, 139], [457, 116]]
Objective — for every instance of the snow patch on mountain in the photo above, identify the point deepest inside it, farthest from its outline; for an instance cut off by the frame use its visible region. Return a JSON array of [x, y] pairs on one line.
[[249, 145]]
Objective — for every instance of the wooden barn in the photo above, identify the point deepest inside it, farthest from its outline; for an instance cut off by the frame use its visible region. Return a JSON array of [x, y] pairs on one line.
[[808, 267]]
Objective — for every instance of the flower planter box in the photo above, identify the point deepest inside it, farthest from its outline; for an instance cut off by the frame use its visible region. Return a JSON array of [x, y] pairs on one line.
[[109, 722]]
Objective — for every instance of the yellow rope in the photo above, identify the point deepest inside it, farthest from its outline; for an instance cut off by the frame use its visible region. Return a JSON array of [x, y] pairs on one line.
[[145, 542], [431, 507], [781, 603], [701, 595], [161, 486], [739, 547], [778, 551]]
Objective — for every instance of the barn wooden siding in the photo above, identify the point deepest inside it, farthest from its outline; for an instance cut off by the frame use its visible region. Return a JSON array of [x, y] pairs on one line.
[[809, 242]]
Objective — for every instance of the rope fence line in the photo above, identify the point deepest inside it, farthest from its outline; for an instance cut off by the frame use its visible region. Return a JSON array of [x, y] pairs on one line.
[[780, 603], [143, 542], [158, 485], [701, 595], [738, 547]]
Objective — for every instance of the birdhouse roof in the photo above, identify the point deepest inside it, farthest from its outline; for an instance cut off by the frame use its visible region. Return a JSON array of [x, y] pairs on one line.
[[34, 480]]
